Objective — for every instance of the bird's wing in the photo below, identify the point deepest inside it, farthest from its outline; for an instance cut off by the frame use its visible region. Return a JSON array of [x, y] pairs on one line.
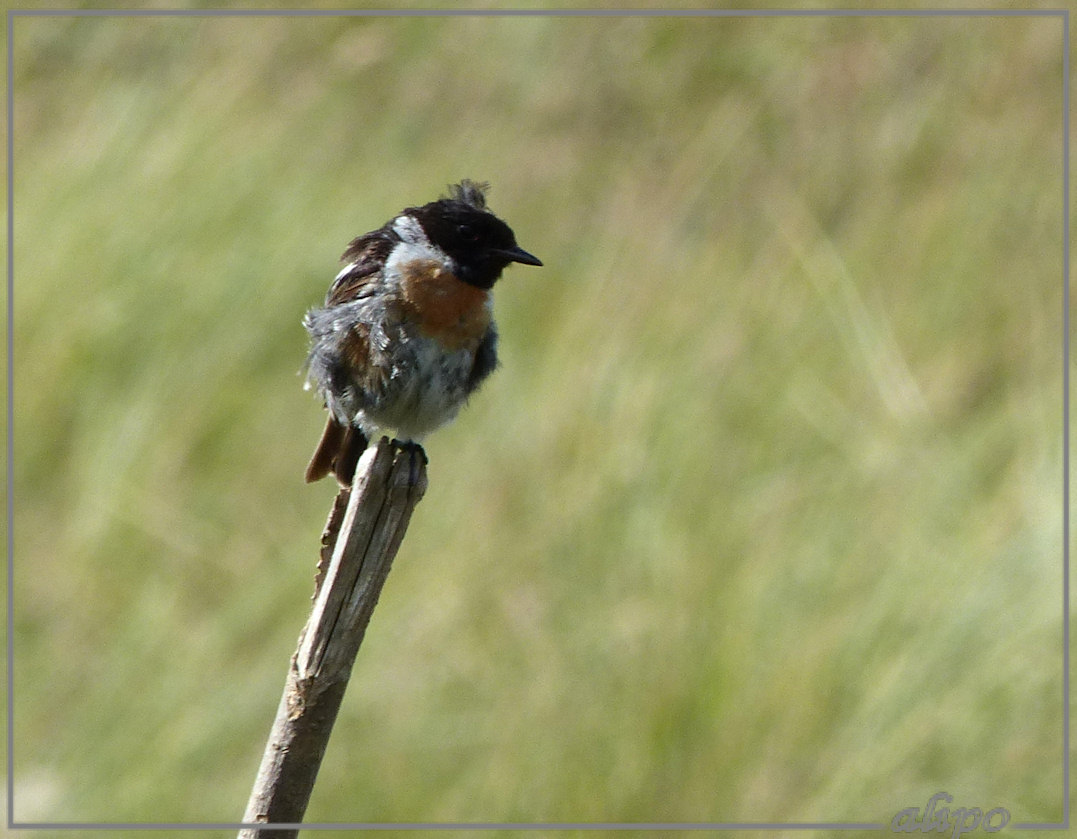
[[366, 257], [485, 359]]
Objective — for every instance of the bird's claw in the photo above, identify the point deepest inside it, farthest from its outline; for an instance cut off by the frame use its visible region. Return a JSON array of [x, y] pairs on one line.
[[416, 457]]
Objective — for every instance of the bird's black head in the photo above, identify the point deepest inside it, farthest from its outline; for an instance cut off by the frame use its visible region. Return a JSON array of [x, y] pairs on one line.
[[480, 243]]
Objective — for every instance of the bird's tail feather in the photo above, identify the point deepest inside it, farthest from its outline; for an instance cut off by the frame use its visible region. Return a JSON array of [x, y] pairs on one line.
[[337, 453]]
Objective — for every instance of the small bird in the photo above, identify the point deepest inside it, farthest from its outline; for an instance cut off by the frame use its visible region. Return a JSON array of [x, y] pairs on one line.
[[407, 331]]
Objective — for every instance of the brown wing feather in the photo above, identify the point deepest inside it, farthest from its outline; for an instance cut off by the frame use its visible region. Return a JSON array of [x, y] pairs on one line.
[[367, 255]]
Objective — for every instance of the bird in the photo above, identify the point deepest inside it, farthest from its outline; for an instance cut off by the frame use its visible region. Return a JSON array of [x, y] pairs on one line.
[[407, 332]]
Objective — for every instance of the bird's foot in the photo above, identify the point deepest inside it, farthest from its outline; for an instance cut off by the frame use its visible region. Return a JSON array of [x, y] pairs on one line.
[[416, 457]]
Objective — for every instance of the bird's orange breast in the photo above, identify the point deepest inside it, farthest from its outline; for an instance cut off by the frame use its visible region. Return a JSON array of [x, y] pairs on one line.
[[444, 307]]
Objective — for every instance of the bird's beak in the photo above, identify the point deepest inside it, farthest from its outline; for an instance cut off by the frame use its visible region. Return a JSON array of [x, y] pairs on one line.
[[518, 254]]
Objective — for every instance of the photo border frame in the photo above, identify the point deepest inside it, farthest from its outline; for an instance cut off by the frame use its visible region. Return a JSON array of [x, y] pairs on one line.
[[13, 14]]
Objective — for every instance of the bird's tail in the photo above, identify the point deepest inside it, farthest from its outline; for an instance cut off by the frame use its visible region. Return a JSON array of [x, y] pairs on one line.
[[337, 453]]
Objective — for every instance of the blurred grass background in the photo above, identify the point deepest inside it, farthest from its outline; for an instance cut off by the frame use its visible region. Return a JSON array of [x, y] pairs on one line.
[[759, 521]]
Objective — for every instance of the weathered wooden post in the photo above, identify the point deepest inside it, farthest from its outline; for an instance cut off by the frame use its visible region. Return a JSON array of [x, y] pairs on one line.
[[364, 531]]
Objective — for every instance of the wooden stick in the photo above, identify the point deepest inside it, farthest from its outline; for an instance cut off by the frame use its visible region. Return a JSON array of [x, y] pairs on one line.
[[389, 482]]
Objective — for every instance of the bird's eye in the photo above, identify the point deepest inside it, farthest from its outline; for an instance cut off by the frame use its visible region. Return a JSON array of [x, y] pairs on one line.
[[468, 233]]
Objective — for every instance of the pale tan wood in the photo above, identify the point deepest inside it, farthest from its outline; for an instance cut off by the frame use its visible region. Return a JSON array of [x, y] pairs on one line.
[[389, 482]]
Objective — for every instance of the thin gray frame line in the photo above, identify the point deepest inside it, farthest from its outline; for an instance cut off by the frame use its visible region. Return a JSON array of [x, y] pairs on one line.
[[1063, 13], [536, 12], [584, 826], [10, 446], [1065, 413]]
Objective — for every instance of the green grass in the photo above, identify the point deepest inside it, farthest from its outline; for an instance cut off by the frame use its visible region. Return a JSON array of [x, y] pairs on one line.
[[759, 521]]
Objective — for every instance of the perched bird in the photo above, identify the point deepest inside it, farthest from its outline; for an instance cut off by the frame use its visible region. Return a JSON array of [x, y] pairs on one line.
[[407, 330]]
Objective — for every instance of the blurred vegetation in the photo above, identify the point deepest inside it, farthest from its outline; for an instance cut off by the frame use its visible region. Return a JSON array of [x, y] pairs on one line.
[[759, 521]]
